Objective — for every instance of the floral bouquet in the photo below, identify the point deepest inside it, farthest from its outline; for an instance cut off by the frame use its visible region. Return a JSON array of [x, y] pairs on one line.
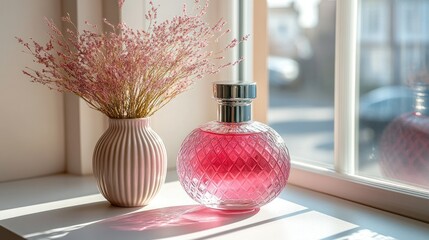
[[127, 73]]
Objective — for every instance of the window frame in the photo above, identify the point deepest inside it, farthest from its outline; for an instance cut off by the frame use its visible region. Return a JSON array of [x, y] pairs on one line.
[[341, 181]]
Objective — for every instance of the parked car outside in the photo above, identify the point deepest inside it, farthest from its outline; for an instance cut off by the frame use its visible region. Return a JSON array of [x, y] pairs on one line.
[[379, 107], [282, 71]]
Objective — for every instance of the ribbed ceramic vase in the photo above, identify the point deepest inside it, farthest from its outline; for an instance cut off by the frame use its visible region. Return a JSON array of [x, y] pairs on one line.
[[129, 162]]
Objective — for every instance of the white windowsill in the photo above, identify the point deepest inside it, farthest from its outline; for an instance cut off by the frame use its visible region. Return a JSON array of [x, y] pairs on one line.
[[70, 207]]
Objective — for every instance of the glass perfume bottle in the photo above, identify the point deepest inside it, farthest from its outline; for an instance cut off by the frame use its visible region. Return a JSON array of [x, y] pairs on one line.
[[233, 163], [404, 144]]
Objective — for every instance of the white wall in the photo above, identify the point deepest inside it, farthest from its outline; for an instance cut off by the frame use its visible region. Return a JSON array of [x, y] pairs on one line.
[[31, 116]]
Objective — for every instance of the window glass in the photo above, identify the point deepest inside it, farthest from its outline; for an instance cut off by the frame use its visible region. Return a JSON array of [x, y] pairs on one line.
[[301, 77], [393, 78]]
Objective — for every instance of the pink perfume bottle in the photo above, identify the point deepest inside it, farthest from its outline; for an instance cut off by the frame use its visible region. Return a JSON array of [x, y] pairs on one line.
[[404, 144], [233, 163]]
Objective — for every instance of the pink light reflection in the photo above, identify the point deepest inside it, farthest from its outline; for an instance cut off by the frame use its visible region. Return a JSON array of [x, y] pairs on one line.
[[178, 217]]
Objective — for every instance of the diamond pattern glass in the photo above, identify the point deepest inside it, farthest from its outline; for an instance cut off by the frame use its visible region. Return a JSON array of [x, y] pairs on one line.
[[233, 166], [404, 149]]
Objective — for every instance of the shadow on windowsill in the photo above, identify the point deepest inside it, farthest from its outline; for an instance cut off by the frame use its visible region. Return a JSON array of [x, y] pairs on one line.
[[109, 222]]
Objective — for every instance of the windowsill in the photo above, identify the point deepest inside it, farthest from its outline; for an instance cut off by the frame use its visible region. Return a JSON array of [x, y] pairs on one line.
[[70, 207]]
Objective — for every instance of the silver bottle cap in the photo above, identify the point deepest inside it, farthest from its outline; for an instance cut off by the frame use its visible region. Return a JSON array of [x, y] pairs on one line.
[[231, 90], [234, 101], [421, 104]]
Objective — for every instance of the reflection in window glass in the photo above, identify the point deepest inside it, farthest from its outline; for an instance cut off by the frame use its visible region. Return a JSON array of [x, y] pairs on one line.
[[394, 93], [301, 76]]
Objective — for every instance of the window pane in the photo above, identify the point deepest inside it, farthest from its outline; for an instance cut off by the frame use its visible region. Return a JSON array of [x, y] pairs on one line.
[[301, 77], [394, 92]]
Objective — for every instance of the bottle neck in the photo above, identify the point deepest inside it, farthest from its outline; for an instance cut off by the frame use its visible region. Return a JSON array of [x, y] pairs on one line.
[[234, 111], [421, 105]]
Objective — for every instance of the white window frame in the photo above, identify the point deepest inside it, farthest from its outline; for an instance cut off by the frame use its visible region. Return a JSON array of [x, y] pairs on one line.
[[342, 181]]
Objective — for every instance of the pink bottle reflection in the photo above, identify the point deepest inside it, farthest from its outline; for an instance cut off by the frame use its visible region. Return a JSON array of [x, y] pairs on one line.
[[404, 145], [233, 163]]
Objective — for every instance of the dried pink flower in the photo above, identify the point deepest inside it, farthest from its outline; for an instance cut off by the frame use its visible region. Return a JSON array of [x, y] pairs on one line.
[[120, 3], [129, 73]]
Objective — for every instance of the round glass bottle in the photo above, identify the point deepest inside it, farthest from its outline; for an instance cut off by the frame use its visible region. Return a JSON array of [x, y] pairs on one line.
[[404, 144], [233, 163]]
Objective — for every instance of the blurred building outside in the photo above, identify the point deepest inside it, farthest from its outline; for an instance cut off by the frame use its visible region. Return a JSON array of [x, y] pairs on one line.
[[393, 44]]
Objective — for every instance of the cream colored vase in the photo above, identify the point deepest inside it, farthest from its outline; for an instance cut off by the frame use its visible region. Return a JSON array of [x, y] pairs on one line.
[[129, 162]]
